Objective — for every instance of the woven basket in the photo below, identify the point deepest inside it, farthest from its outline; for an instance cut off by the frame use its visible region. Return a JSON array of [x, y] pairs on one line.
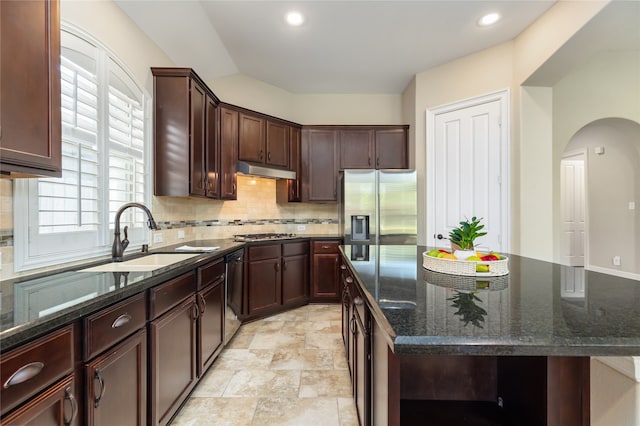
[[465, 267], [461, 282]]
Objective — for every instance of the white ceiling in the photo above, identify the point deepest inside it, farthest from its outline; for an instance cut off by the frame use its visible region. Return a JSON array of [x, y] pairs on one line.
[[360, 46]]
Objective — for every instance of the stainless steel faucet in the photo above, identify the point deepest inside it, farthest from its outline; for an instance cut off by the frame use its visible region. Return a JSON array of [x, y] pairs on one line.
[[119, 246]]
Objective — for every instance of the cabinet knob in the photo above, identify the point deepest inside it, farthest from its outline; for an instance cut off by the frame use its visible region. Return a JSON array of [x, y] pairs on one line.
[[343, 267], [68, 395], [23, 374], [358, 301], [349, 280], [121, 320], [97, 376]]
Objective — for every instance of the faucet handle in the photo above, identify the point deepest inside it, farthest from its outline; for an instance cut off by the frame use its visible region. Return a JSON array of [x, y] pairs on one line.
[[125, 242]]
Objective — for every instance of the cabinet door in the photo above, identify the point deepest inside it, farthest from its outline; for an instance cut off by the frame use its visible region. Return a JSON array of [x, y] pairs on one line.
[[264, 285], [356, 149], [197, 178], [30, 126], [116, 390], [56, 406], [346, 282], [228, 153], [361, 368], [251, 139], [290, 190], [212, 150], [295, 279], [173, 360], [325, 276], [319, 165], [391, 149], [277, 144], [210, 324]]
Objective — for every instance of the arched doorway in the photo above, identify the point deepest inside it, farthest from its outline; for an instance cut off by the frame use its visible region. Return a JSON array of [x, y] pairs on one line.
[[606, 152]]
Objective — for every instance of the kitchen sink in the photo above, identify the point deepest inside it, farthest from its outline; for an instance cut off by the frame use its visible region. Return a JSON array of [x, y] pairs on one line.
[[147, 263]]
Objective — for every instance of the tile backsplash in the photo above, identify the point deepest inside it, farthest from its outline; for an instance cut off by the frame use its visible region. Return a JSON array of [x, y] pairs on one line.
[[255, 211]]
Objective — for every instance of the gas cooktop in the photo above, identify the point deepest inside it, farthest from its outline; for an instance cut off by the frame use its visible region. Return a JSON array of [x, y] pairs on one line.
[[263, 237]]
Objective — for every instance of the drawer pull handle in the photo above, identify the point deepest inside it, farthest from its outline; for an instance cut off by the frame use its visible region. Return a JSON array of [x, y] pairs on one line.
[[98, 376], [23, 374], [68, 394], [326, 247], [121, 320]]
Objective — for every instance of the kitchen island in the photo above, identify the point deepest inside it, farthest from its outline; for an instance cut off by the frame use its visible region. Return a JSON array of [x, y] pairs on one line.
[[446, 349]]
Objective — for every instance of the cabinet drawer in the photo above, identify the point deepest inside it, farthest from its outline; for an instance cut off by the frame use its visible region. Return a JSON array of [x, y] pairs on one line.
[[325, 246], [169, 294], [292, 249], [271, 251], [113, 324], [28, 369], [211, 273]]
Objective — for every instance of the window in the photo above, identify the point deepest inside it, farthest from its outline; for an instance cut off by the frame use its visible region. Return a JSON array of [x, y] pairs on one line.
[[105, 150]]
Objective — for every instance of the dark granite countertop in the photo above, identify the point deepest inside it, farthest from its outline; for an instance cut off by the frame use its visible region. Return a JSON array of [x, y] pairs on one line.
[[539, 308], [35, 305]]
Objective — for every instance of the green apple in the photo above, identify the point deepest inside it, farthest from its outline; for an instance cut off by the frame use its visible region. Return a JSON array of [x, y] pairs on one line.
[[433, 253], [473, 258]]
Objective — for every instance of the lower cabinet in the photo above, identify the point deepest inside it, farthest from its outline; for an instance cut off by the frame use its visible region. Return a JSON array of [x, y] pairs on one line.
[[172, 346], [211, 305], [361, 360], [56, 406], [278, 275], [116, 391], [325, 277]]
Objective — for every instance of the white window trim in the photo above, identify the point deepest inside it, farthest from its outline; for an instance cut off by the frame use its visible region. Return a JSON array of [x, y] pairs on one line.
[[22, 207]]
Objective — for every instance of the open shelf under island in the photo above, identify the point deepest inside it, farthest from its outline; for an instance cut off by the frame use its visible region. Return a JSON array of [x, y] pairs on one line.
[[432, 348]]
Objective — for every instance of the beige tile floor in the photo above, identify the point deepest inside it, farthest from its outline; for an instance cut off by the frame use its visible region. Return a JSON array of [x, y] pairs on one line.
[[288, 369]]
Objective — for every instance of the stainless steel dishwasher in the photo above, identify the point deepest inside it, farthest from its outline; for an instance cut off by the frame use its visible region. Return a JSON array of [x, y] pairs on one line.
[[233, 292]]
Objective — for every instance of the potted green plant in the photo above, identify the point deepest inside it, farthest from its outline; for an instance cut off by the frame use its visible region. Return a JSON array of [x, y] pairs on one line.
[[463, 237]]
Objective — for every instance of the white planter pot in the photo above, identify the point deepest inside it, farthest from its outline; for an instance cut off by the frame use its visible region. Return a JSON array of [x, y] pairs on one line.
[[464, 254]]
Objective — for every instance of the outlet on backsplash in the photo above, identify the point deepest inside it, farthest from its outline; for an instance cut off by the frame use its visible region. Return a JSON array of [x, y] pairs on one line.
[[180, 234], [301, 227], [157, 237]]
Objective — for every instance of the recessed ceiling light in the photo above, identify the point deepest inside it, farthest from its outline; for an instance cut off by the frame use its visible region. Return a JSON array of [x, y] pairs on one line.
[[295, 19], [489, 19]]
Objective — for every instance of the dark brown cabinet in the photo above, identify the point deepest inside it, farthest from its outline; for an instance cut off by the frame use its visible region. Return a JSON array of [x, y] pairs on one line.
[[392, 148], [263, 140], [211, 304], [319, 165], [325, 277], [186, 147], [374, 147], [295, 273], [116, 390], [116, 376], [172, 346], [264, 278], [290, 190], [30, 124], [278, 275], [360, 357], [277, 144], [228, 153], [357, 149], [56, 406], [251, 145]]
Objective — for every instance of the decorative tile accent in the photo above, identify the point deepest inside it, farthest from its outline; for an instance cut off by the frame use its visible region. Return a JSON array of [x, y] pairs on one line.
[[172, 224], [6, 237]]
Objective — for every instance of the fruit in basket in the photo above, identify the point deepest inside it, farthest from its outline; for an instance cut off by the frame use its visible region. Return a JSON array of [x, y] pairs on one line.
[[489, 257], [474, 258], [449, 256], [482, 268], [433, 253], [498, 255]]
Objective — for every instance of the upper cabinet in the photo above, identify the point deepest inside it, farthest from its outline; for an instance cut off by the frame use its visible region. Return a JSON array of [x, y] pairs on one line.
[[186, 148], [319, 165], [392, 147], [30, 127], [228, 153], [374, 147], [263, 140]]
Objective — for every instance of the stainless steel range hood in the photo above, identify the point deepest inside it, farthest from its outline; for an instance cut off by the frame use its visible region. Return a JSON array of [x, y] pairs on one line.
[[265, 172]]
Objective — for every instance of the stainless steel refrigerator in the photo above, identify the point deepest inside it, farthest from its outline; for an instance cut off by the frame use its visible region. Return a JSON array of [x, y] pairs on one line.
[[378, 206]]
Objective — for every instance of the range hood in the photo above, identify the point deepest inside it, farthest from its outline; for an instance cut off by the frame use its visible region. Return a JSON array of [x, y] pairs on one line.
[[265, 172]]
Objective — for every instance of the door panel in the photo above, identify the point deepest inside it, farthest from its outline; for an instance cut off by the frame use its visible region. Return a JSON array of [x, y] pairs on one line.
[[573, 211], [467, 172]]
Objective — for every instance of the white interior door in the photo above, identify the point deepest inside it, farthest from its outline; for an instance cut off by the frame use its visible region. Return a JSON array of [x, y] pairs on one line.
[[573, 209], [468, 162]]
